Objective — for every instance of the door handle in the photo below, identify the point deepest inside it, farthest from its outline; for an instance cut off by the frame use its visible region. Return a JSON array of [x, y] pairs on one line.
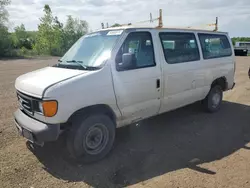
[[158, 83]]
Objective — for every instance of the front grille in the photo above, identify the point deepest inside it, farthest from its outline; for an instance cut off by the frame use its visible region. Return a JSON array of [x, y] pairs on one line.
[[25, 102]]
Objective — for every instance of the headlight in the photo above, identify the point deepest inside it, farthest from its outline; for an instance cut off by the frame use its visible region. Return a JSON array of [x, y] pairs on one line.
[[49, 108], [40, 107]]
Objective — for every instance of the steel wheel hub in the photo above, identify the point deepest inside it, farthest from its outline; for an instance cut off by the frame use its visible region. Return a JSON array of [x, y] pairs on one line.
[[96, 139]]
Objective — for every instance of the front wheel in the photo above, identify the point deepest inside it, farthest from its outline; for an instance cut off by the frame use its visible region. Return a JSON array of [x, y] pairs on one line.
[[92, 138], [213, 100]]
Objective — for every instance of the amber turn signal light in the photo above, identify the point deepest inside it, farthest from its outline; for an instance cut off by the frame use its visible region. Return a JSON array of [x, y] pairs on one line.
[[49, 108]]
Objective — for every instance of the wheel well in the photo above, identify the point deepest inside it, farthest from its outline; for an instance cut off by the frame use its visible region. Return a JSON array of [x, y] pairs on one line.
[[222, 81], [95, 109]]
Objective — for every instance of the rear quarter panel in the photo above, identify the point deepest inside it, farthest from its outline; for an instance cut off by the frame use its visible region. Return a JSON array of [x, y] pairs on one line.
[[218, 67]]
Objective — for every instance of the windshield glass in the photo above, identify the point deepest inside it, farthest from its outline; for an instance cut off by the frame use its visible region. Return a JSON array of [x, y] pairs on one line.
[[92, 49]]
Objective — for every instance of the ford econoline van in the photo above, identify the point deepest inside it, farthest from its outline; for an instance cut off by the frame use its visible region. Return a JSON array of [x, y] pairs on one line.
[[118, 76]]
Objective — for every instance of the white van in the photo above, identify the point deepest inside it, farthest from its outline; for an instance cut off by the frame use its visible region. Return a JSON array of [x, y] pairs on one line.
[[118, 76]]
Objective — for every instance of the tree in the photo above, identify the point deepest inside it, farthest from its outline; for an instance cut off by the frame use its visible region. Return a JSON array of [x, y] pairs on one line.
[[3, 12], [5, 41], [239, 39], [20, 37], [45, 34], [53, 38], [20, 32], [73, 30], [58, 43], [116, 25]]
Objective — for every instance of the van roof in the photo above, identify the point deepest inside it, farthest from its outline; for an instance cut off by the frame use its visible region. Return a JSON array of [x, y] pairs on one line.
[[163, 28]]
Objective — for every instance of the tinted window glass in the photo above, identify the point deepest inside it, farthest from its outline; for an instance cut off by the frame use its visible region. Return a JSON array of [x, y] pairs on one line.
[[179, 47], [215, 46], [139, 44]]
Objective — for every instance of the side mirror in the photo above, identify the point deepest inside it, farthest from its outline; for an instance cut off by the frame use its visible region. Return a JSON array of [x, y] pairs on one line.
[[128, 61]]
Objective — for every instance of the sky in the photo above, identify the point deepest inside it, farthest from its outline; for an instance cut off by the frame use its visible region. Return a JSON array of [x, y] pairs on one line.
[[234, 15]]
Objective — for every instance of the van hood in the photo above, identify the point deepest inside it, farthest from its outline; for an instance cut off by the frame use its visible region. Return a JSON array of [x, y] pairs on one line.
[[36, 82]]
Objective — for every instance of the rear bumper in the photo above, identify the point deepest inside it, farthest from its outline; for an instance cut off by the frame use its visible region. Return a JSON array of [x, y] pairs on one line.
[[34, 130]]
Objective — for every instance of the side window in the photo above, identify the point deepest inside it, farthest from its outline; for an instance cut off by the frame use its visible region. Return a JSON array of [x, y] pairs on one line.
[[136, 52], [179, 47], [215, 46]]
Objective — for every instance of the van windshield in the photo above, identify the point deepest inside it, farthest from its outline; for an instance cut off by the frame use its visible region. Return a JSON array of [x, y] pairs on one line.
[[91, 50]]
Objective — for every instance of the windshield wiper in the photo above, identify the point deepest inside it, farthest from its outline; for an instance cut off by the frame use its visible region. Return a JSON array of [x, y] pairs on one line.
[[74, 61], [80, 63], [76, 64]]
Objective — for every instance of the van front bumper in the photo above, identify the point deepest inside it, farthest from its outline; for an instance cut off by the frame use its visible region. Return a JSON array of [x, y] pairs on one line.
[[35, 131]]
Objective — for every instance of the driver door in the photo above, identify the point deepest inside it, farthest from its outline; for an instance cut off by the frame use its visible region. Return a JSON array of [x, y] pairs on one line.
[[137, 87]]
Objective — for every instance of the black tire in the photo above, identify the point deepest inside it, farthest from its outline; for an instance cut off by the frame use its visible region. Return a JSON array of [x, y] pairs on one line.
[[80, 143], [209, 103]]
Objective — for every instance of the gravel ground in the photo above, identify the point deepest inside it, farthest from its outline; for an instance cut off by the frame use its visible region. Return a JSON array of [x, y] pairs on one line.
[[183, 148]]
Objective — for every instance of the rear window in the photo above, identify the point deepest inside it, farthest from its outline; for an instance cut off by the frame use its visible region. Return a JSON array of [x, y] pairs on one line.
[[179, 47], [214, 46]]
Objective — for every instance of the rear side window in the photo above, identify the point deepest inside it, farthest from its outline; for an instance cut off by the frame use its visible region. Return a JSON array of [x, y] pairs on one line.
[[214, 46], [179, 47]]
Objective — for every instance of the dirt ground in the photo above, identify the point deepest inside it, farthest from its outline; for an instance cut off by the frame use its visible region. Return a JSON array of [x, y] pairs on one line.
[[183, 148]]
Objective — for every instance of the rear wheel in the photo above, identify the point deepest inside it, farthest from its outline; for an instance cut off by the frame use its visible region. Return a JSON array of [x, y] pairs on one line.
[[92, 138], [213, 100]]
